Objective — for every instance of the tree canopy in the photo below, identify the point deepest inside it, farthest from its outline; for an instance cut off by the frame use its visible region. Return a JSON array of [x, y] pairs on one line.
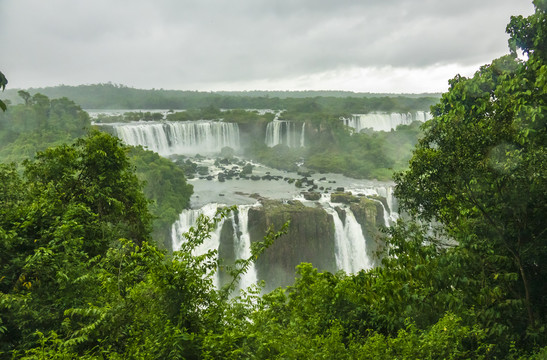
[[481, 167]]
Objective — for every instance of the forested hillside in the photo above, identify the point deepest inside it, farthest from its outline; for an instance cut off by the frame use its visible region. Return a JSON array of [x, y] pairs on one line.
[[40, 123], [79, 277], [112, 96]]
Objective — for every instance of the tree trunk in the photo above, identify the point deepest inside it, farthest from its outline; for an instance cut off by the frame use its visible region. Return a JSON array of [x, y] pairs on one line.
[[531, 320]]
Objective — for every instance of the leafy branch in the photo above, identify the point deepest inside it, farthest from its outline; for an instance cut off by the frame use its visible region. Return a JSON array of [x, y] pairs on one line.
[[3, 83]]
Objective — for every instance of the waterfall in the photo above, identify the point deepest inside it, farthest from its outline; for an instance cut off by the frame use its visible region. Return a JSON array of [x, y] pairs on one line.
[[387, 217], [358, 244], [180, 137], [242, 239], [284, 132], [384, 121], [391, 203], [343, 250], [242, 245], [423, 116], [302, 134], [350, 243], [188, 219]]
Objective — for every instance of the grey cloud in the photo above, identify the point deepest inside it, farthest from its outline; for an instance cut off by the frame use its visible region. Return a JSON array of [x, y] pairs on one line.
[[169, 43]]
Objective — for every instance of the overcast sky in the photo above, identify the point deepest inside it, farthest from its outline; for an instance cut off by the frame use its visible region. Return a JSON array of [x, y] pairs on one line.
[[358, 45]]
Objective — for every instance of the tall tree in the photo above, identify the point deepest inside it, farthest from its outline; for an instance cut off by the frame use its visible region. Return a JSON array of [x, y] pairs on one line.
[[481, 167]]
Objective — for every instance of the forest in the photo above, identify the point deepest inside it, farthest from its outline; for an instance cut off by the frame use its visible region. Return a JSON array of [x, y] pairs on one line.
[[82, 274], [113, 96]]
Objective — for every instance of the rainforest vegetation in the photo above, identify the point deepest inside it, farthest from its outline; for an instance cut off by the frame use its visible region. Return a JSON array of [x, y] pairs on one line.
[[81, 277], [39, 123]]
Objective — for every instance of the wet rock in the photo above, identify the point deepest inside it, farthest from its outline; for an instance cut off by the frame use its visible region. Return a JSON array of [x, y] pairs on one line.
[[202, 170], [310, 238], [247, 169], [344, 198], [341, 214], [312, 195]]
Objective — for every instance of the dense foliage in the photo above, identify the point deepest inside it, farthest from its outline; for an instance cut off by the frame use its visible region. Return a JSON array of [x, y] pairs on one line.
[[79, 277], [38, 124], [165, 185], [71, 204], [481, 168]]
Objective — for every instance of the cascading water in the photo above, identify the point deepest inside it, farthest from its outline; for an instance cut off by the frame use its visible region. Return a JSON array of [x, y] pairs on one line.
[[242, 244], [351, 245], [384, 121], [386, 214], [422, 116], [188, 219], [302, 135], [241, 238], [284, 132], [181, 137]]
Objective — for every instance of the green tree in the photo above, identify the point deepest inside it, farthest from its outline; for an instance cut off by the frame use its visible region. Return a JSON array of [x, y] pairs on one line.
[[25, 95], [70, 206], [26, 129], [165, 185], [3, 83], [481, 166]]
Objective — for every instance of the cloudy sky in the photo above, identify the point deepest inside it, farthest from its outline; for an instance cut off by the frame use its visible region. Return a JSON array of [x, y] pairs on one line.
[[358, 45]]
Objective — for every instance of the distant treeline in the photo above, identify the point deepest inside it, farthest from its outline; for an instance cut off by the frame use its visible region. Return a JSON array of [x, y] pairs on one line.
[[113, 96]]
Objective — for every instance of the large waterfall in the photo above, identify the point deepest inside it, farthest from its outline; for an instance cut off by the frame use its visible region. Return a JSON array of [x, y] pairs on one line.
[[350, 244], [181, 137], [384, 121], [285, 132]]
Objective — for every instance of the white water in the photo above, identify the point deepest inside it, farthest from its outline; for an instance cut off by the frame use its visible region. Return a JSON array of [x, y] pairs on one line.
[[242, 239], [384, 121], [188, 219], [180, 137], [387, 217], [302, 133], [350, 243], [284, 132], [242, 244]]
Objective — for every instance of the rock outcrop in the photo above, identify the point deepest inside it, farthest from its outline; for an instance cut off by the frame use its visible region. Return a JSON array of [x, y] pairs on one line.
[[310, 239]]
